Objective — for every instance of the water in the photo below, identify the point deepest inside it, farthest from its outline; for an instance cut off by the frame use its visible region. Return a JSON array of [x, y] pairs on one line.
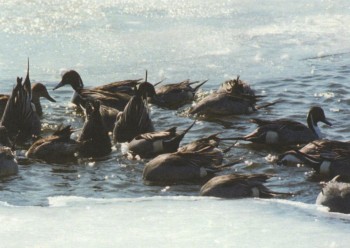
[[294, 51]]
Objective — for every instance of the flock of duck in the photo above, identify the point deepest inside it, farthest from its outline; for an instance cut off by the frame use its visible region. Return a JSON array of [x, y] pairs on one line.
[[122, 109]]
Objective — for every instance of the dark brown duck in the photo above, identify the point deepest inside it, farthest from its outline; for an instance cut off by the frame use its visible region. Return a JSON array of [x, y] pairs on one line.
[[151, 144], [135, 119], [175, 95], [183, 167], [58, 147], [94, 136], [238, 186], [19, 118]]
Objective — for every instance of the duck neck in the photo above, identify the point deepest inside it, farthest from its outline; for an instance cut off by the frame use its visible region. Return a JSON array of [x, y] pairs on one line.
[[79, 85], [313, 126], [36, 102]]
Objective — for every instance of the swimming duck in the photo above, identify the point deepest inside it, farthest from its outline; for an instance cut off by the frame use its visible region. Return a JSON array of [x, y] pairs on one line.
[[38, 90], [223, 104], [180, 167], [115, 95], [94, 136], [19, 116], [328, 163], [210, 143], [287, 132], [236, 87], [134, 119], [316, 149], [150, 144], [238, 186], [58, 147], [336, 196], [176, 95]]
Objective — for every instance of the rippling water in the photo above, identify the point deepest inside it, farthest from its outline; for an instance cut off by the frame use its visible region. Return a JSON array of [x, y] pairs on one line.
[[297, 52]]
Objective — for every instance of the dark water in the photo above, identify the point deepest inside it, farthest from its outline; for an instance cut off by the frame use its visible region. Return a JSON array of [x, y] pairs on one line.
[[295, 52], [117, 177]]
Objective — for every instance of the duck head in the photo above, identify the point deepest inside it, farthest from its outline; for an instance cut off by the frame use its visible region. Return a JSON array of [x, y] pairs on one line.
[[73, 78], [39, 90], [316, 114]]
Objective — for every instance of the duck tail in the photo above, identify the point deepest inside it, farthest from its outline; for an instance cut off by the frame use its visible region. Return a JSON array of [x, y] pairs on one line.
[[177, 139], [237, 161], [158, 83], [199, 85], [267, 193], [310, 160], [267, 105]]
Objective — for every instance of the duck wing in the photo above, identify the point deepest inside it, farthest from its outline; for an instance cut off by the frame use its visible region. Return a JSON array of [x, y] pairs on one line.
[[125, 86], [167, 134]]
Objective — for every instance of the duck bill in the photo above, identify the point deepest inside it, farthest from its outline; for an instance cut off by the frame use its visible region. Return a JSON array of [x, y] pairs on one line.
[[327, 122], [48, 97], [58, 85]]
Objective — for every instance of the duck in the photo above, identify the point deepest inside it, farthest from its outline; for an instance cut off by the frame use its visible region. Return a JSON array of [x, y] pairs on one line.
[[211, 143], [234, 97], [316, 149], [8, 162], [134, 119], [38, 90], [335, 195], [94, 136], [58, 147], [114, 95], [287, 132], [19, 118], [226, 104], [151, 144], [326, 163], [176, 95], [238, 186], [182, 167], [236, 87]]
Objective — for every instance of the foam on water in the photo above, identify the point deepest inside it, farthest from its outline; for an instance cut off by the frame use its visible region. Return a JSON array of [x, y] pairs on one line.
[[171, 222]]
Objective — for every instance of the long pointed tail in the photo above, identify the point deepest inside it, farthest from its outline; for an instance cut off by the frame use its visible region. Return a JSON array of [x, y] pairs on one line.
[[267, 105], [199, 85]]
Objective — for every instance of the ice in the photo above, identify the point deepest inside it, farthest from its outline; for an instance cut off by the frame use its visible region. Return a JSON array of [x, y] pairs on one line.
[[172, 222]]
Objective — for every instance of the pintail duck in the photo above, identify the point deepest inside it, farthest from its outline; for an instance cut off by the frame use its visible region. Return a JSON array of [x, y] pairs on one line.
[[38, 90], [234, 97], [135, 119], [58, 147], [325, 161], [336, 196], [94, 137], [151, 144], [315, 148], [183, 167], [238, 186], [287, 132], [236, 87], [19, 116], [176, 95], [115, 95], [210, 143], [8, 163]]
